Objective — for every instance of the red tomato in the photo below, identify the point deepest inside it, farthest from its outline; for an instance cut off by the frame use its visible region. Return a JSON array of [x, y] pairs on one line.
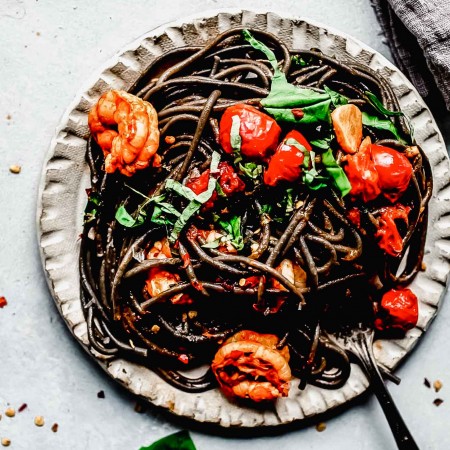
[[402, 310], [361, 173], [285, 164], [389, 238], [259, 132], [228, 180], [394, 171], [354, 215]]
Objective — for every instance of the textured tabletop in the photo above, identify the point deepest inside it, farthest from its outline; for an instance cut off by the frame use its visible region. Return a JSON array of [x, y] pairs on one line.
[[49, 49]]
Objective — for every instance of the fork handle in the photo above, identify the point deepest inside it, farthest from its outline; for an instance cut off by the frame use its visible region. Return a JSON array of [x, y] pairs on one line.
[[402, 435]]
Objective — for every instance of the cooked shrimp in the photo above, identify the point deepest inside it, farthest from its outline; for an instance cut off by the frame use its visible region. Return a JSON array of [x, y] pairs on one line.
[[126, 129], [249, 365]]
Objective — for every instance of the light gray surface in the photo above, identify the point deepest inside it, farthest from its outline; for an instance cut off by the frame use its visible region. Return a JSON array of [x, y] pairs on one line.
[[40, 363]]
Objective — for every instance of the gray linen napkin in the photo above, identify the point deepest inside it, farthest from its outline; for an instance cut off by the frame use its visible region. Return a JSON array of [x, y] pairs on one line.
[[418, 34]]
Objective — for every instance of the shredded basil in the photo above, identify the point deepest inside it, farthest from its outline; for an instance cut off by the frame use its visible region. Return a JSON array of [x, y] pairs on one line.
[[378, 106], [196, 201], [233, 229], [90, 212], [176, 441], [336, 173], [381, 124], [336, 98], [235, 138], [251, 170], [127, 220]]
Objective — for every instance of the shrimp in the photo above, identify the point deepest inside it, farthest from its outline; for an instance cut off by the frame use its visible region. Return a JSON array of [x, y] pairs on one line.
[[248, 365], [126, 129]]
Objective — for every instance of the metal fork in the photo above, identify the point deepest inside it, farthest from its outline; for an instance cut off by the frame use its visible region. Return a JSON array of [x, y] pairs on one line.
[[359, 342]]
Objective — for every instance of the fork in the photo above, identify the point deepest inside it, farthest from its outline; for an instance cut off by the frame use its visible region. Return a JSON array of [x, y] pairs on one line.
[[359, 342]]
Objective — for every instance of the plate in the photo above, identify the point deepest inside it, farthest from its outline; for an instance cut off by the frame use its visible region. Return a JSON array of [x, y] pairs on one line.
[[62, 200]]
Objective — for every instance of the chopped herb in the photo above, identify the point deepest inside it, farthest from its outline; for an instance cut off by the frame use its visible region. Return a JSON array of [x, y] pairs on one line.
[[235, 138], [90, 212], [219, 190], [177, 441], [283, 96], [299, 61], [251, 170], [324, 144], [197, 200], [336, 173], [266, 209], [381, 124], [233, 228], [378, 106], [336, 98]]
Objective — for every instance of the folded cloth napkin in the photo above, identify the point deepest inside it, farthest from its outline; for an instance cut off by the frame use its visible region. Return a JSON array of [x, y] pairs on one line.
[[418, 34]]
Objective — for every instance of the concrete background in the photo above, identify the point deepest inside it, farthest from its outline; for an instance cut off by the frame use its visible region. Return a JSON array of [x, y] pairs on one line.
[[48, 50]]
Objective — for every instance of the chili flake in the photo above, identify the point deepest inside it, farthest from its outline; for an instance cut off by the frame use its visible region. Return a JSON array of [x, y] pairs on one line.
[[3, 302]]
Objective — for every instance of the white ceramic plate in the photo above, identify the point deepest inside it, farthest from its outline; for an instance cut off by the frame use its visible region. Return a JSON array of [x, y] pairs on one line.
[[62, 201]]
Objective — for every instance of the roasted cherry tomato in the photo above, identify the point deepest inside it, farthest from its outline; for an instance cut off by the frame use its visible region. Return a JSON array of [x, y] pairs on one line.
[[361, 173], [399, 310], [394, 171], [285, 164], [228, 180], [389, 238], [259, 133]]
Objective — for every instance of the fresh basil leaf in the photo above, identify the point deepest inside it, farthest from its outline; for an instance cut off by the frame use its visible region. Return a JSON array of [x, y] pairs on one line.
[[336, 173], [177, 441], [125, 219], [219, 190], [336, 98], [180, 189], [299, 61], [251, 170], [324, 144], [235, 138], [160, 212], [197, 200], [233, 229], [378, 106], [381, 124], [283, 96]]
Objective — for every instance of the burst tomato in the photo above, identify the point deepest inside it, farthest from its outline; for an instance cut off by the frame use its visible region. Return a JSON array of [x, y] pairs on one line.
[[259, 132], [394, 171], [399, 310], [389, 238], [285, 164]]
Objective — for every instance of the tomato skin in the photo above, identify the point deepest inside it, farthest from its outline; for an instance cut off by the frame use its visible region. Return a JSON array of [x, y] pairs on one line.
[[285, 164], [389, 238], [259, 132], [394, 171], [362, 174], [228, 180], [402, 310]]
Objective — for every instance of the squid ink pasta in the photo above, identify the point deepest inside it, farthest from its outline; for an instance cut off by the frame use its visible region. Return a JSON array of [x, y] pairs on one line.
[[243, 195]]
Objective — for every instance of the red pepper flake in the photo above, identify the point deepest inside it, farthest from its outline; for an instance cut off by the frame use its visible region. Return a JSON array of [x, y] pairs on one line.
[[438, 401], [22, 407], [183, 358], [55, 427], [3, 302], [427, 383], [297, 113], [101, 394]]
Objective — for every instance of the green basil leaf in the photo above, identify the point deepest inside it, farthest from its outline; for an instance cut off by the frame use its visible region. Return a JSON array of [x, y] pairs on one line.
[[378, 106], [381, 124], [233, 229], [181, 222], [284, 96], [336, 98], [324, 144], [251, 170], [299, 61], [235, 138], [336, 173], [266, 208], [180, 189], [219, 190], [177, 441], [125, 219]]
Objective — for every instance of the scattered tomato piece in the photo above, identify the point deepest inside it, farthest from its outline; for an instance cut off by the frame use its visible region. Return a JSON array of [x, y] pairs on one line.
[[347, 124], [285, 164], [401, 310], [389, 238], [259, 132], [3, 302]]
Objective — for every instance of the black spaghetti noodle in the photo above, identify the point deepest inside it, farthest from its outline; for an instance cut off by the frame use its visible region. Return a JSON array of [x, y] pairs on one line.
[[190, 88]]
